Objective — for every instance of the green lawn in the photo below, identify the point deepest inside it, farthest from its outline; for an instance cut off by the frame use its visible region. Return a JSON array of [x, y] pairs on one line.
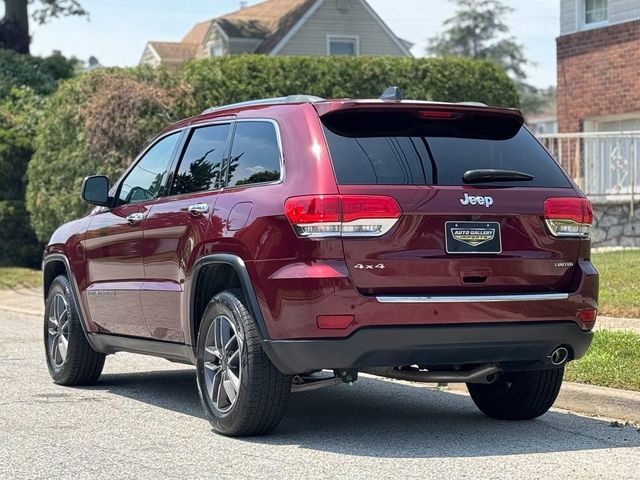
[[612, 361], [619, 283], [16, 277]]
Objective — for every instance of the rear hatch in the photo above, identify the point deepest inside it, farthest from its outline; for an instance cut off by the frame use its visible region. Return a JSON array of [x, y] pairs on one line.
[[470, 222]]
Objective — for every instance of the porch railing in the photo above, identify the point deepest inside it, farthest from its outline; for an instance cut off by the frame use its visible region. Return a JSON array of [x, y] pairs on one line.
[[606, 166]]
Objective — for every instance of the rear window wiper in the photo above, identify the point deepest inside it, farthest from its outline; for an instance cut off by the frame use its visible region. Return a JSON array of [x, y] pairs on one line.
[[494, 175]]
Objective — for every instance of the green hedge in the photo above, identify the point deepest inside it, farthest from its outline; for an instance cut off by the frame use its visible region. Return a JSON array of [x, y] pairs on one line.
[[97, 122], [18, 245], [222, 80]]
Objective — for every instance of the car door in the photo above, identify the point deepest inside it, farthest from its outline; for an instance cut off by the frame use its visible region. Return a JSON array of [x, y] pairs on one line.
[[114, 244], [177, 227]]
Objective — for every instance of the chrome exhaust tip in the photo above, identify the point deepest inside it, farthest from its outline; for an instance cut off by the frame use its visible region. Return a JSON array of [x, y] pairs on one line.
[[559, 356]]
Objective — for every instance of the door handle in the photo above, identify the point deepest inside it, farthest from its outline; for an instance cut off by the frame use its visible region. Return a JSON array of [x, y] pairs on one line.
[[198, 208], [135, 217]]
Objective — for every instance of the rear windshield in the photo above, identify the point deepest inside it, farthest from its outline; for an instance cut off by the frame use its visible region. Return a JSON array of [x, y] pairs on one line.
[[426, 153]]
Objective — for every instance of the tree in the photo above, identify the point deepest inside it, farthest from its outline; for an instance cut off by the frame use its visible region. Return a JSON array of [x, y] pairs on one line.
[[478, 30], [536, 100], [14, 27]]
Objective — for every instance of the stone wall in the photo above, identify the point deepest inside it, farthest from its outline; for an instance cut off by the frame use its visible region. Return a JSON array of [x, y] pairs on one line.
[[614, 227]]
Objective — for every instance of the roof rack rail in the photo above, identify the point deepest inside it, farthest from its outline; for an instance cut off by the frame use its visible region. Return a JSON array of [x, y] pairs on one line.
[[268, 101], [472, 104]]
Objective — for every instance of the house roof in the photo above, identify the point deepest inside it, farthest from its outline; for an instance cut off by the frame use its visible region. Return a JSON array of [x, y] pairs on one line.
[[264, 19], [174, 52], [268, 22], [198, 33]]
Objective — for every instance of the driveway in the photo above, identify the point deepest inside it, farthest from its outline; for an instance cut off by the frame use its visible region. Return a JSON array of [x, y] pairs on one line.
[[143, 420]]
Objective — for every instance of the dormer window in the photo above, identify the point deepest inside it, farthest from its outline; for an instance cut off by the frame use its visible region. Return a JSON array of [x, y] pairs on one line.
[[595, 12]]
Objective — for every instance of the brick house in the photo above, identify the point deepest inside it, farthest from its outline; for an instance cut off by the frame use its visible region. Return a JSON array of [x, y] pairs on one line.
[[285, 27], [598, 53]]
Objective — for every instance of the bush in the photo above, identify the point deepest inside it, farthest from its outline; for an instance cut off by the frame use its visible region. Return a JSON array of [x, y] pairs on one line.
[[94, 124], [15, 153], [18, 116], [18, 244], [221, 80], [98, 122]]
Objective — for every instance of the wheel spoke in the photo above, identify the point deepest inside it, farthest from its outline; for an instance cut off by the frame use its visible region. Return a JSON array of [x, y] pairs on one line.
[[233, 380], [229, 390], [212, 367], [63, 345], [212, 383], [234, 358], [53, 348], [217, 334], [231, 341], [222, 400]]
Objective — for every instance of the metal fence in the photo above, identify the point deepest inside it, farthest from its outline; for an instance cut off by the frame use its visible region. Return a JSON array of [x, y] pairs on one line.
[[606, 166]]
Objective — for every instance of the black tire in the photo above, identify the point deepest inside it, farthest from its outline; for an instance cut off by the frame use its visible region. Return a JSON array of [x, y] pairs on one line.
[[263, 391], [518, 395], [81, 365]]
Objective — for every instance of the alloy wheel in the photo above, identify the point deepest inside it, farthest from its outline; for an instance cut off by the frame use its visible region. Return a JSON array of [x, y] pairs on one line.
[[223, 363], [58, 329]]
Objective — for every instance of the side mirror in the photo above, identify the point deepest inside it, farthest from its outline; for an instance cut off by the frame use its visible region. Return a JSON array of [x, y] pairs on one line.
[[95, 190]]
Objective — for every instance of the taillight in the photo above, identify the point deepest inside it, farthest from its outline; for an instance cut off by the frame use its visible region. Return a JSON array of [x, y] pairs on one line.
[[342, 215], [440, 114], [568, 216]]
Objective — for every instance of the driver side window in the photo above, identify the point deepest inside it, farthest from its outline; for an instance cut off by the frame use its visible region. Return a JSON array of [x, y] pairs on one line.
[[145, 179]]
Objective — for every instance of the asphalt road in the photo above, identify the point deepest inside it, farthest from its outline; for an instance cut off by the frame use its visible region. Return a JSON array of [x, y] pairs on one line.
[[143, 420]]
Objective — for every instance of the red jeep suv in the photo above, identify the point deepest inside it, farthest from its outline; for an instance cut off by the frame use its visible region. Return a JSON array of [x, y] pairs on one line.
[[292, 243]]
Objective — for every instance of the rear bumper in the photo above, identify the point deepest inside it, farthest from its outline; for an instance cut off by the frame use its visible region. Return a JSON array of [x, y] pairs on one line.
[[290, 302], [511, 345]]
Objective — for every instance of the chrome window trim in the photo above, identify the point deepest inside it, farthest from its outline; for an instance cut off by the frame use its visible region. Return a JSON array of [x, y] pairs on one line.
[[528, 297]]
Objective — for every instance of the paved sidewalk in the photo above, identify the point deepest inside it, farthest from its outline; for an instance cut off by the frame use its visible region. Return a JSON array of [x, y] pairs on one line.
[[29, 301], [611, 323], [22, 300]]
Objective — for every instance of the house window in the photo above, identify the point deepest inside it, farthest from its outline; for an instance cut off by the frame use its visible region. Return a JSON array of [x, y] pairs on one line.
[[595, 11], [217, 49], [343, 45]]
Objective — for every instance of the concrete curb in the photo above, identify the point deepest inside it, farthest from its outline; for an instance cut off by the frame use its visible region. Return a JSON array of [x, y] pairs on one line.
[[590, 400]]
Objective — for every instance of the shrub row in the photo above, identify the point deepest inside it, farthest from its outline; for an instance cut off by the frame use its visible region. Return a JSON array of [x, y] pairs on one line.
[[96, 123], [18, 244]]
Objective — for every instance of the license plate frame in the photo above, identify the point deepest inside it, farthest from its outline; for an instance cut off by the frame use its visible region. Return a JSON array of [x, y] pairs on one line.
[[466, 237]]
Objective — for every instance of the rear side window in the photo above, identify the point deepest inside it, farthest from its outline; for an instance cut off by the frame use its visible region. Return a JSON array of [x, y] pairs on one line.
[[200, 165], [419, 155], [255, 154]]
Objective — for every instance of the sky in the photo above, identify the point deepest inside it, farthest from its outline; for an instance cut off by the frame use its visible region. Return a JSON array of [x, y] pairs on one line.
[[118, 30]]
